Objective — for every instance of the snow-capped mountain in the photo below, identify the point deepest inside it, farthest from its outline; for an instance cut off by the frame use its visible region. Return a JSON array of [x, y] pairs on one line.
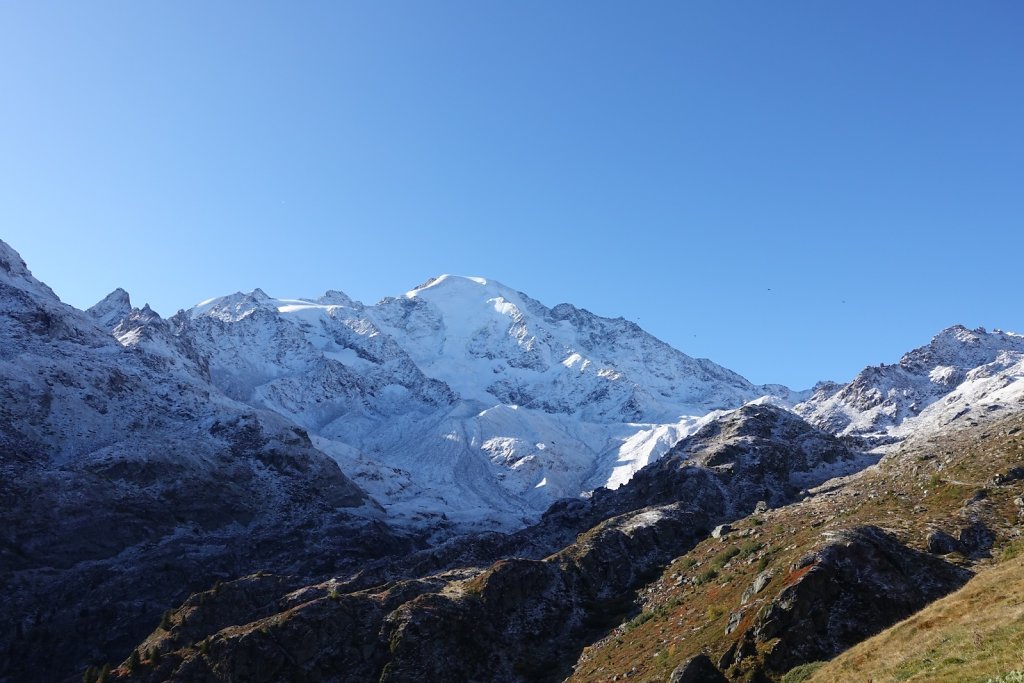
[[960, 375], [462, 399], [126, 477]]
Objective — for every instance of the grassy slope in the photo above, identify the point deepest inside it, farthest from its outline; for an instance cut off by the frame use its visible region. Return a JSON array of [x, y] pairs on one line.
[[922, 485], [972, 635]]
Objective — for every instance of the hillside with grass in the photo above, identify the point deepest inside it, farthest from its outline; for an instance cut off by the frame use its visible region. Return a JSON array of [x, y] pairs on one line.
[[795, 585], [975, 634]]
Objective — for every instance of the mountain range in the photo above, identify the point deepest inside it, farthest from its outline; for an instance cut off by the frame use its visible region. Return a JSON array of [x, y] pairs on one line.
[[371, 476]]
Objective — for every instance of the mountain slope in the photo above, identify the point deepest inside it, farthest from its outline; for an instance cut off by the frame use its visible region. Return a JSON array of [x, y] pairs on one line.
[[127, 480], [445, 621], [803, 582]]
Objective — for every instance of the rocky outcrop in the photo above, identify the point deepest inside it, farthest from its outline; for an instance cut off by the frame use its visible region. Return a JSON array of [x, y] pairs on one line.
[[114, 308], [861, 582], [697, 669], [444, 628], [758, 453]]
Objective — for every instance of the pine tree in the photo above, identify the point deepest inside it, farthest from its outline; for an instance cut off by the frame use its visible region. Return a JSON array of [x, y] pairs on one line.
[[134, 661], [104, 676]]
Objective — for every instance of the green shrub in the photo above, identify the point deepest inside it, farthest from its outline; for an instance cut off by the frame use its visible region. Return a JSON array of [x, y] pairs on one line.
[[749, 547], [639, 619], [801, 673], [706, 575], [722, 558], [1012, 550]]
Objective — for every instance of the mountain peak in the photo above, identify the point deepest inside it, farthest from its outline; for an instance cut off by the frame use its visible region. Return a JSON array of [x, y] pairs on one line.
[[232, 307], [962, 348], [964, 368], [11, 261], [447, 282], [335, 297], [960, 333], [14, 271], [112, 309]]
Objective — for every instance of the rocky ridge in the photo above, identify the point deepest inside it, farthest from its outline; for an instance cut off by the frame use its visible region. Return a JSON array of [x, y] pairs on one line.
[[958, 376]]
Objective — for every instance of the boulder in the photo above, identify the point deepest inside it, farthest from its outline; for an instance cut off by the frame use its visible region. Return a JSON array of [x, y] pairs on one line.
[[977, 539], [762, 580], [941, 543], [697, 669]]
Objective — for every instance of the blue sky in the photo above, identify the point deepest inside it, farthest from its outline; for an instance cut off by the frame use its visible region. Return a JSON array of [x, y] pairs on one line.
[[793, 189]]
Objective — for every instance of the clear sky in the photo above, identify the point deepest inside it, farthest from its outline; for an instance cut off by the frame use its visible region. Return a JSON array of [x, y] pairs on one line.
[[792, 189]]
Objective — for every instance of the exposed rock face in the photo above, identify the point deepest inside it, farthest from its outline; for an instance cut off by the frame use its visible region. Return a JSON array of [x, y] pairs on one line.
[[114, 308], [518, 620], [863, 581], [757, 586], [974, 540], [757, 453], [977, 539], [698, 669], [941, 543], [493, 633]]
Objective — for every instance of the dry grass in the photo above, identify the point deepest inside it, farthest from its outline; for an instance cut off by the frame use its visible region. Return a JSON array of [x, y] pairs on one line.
[[974, 634]]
